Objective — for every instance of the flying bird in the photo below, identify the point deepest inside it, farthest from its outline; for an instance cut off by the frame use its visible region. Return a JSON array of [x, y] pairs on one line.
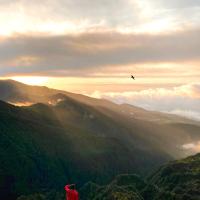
[[132, 77]]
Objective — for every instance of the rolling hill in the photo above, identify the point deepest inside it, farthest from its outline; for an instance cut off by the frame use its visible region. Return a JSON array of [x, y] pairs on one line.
[[61, 137], [43, 147], [170, 132], [177, 180]]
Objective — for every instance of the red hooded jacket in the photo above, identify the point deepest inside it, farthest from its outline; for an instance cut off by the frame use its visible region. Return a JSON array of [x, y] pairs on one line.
[[71, 194]]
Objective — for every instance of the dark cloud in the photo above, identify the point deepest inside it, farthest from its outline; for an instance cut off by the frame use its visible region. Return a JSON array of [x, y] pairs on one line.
[[71, 53]]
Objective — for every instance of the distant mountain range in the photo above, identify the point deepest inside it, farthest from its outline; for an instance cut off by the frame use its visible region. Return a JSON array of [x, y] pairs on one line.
[[22, 94], [55, 137]]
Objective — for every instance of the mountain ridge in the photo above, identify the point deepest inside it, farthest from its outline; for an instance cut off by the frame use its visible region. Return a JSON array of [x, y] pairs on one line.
[[54, 149], [24, 94], [62, 138]]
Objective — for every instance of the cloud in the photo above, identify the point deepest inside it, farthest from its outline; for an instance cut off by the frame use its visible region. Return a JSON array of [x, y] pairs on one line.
[[76, 9], [63, 16], [187, 113], [179, 3], [183, 100], [192, 147], [68, 54], [37, 16]]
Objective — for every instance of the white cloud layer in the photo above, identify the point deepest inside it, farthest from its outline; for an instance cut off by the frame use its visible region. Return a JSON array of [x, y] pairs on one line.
[[192, 147], [183, 100], [63, 16]]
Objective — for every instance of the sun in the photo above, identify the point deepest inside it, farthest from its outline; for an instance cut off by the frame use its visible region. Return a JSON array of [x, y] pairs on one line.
[[31, 80]]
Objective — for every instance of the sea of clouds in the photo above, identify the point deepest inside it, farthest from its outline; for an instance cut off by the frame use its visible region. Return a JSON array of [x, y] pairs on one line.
[[183, 100]]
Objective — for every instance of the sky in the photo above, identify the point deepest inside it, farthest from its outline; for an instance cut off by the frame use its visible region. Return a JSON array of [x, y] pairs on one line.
[[93, 46]]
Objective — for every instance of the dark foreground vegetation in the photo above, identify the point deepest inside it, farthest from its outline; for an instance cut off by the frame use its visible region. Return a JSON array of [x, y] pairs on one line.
[[178, 180]]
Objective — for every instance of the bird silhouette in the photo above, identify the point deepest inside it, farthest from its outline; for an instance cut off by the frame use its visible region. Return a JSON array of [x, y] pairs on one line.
[[132, 77]]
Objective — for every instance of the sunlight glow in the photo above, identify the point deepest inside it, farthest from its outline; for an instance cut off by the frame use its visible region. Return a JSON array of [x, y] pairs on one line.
[[31, 80]]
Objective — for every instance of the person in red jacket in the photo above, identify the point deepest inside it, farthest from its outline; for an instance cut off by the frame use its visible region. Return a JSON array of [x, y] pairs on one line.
[[71, 193]]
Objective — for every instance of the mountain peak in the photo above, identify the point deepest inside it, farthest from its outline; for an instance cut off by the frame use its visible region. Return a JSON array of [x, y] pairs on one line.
[[11, 81]]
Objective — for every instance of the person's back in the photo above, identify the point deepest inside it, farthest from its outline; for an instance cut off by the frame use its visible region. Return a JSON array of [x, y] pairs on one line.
[[71, 193]]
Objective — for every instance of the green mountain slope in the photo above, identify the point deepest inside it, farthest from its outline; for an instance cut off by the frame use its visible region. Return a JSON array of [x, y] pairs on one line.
[[43, 147], [181, 178], [177, 180], [74, 138], [156, 128]]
